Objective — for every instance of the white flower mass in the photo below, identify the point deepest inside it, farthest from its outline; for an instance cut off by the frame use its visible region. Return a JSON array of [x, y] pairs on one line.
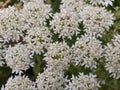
[[18, 58], [34, 14], [86, 51], [19, 83], [113, 57], [83, 82], [50, 79], [10, 24], [96, 19], [65, 23], [73, 5], [38, 38], [36, 29]]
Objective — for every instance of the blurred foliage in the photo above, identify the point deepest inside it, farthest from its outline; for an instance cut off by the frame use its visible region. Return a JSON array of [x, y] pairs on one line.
[[6, 3], [5, 72], [112, 84], [54, 4]]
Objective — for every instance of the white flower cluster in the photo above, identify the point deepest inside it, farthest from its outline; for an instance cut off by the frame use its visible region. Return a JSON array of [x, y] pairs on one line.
[[83, 82], [65, 23], [86, 51], [57, 58], [18, 58], [58, 55], [113, 57], [37, 39], [96, 19], [30, 31], [10, 24], [51, 79], [26, 26], [34, 16], [75, 6], [19, 83]]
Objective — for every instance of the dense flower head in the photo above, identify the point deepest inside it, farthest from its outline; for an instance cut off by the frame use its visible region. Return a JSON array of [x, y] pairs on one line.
[[36, 34], [65, 24], [103, 2], [37, 39], [86, 51], [50, 79], [83, 82], [19, 83], [58, 48], [18, 58], [96, 19], [57, 59], [34, 14], [10, 24], [113, 57], [75, 6], [58, 54]]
